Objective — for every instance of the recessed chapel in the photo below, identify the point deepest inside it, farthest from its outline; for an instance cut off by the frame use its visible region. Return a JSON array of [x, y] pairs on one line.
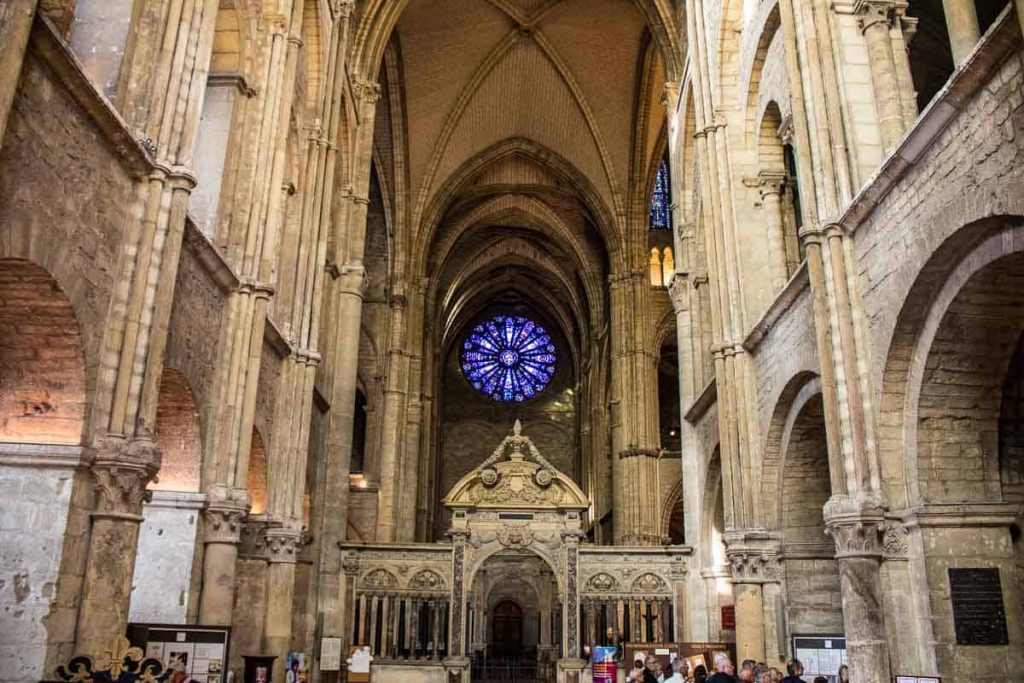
[[466, 341]]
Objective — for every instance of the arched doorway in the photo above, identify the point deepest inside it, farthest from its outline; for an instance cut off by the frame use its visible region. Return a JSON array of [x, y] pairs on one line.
[[507, 629], [515, 617]]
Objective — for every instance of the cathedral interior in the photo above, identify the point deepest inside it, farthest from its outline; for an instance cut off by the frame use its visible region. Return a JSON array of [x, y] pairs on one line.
[[470, 334]]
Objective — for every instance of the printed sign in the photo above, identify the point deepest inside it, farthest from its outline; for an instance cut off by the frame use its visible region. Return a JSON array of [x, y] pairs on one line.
[[605, 668]]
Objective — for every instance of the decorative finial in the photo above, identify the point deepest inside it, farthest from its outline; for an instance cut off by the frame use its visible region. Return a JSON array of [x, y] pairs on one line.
[[517, 428]]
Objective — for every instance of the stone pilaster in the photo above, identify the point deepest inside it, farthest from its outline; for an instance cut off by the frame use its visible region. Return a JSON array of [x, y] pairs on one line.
[[222, 527], [856, 524], [457, 639], [393, 424], [121, 469], [754, 561], [769, 186], [876, 19], [283, 544]]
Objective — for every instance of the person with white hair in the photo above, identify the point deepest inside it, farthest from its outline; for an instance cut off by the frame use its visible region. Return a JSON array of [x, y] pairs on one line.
[[680, 671], [725, 672]]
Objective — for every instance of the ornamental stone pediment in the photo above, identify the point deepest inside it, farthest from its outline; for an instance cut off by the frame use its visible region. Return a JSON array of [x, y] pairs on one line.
[[516, 476]]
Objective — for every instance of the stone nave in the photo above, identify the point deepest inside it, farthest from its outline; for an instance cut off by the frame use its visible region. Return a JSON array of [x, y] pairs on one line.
[[466, 331]]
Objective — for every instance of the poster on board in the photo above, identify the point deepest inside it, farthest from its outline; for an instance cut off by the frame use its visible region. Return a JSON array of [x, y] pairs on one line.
[[202, 650], [820, 655]]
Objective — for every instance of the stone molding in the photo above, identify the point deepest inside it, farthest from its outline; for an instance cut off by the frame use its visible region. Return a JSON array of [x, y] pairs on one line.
[[638, 453], [177, 500], [961, 515], [42, 455]]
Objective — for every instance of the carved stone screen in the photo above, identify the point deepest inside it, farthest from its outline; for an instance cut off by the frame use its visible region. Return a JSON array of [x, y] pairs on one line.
[[978, 614]]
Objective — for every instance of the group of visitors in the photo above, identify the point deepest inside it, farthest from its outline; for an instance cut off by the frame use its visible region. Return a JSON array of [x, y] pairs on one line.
[[652, 671]]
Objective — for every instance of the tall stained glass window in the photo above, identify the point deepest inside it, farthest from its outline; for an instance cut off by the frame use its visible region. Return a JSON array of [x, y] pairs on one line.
[[661, 198], [508, 358]]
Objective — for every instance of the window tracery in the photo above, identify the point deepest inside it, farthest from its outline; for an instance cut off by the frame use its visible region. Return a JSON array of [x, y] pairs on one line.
[[508, 358]]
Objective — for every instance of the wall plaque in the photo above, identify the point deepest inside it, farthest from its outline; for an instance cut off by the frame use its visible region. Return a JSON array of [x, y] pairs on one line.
[[978, 614]]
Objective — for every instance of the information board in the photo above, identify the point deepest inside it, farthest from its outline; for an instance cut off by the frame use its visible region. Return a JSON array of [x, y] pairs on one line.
[[203, 650], [820, 655], [978, 614], [330, 654]]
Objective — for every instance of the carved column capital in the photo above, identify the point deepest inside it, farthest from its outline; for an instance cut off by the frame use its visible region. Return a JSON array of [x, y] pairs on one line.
[[677, 289], [283, 544], [366, 91], [350, 563], [753, 556], [670, 96], [122, 468], [223, 522], [342, 9], [855, 523], [754, 566], [679, 569], [873, 12], [770, 182]]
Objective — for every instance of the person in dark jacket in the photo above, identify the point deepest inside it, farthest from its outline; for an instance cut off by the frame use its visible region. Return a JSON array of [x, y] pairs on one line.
[[725, 672], [649, 666], [795, 669]]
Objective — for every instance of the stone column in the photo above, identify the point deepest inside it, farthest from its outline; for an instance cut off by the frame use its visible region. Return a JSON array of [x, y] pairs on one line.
[[680, 575], [457, 663], [571, 606], [856, 524], [962, 24], [875, 22], [283, 545], [15, 26], [347, 599], [392, 424], [634, 425], [222, 526], [122, 469], [754, 560], [769, 185]]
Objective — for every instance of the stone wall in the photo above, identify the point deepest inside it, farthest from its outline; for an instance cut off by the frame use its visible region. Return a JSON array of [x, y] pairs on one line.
[[196, 318], [472, 424], [162, 583], [33, 524], [65, 197]]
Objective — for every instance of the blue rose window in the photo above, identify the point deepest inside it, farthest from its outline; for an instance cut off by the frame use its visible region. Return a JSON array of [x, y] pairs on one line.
[[508, 358]]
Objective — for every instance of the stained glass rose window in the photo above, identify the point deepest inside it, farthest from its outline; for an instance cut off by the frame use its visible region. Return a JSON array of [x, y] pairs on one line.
[[508, 358]]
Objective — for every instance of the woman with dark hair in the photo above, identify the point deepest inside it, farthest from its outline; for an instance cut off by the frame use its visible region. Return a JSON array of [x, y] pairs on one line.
[[700, 674]]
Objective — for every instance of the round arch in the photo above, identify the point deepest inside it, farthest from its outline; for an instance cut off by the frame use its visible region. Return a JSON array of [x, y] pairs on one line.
[[951, 267], [178, 435], [42, 362]]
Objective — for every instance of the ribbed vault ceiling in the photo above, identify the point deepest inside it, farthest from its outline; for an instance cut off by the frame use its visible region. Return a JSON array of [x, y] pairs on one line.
[[563, 73]]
